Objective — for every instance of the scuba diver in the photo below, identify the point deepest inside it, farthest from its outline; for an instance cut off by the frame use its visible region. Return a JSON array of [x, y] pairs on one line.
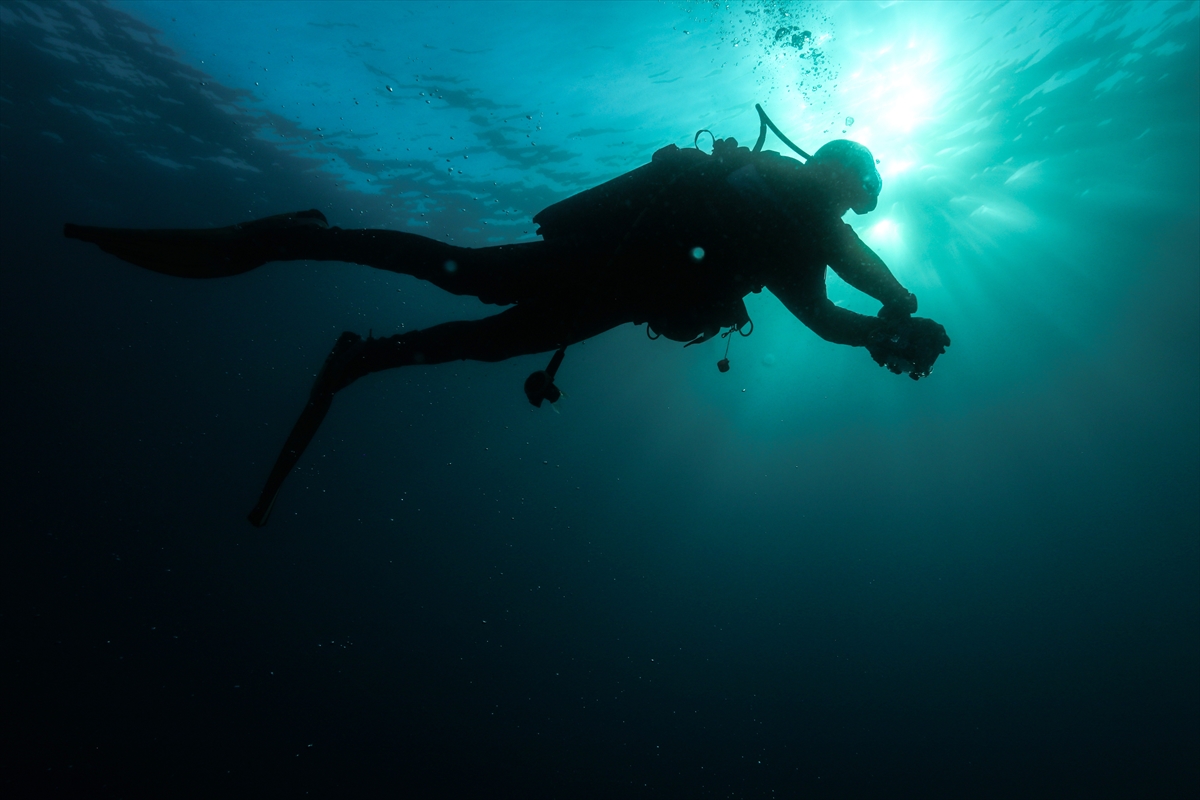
[[676, 244]]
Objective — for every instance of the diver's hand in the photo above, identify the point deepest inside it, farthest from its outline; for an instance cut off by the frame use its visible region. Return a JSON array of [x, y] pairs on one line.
[[902, 309], [908, 345]]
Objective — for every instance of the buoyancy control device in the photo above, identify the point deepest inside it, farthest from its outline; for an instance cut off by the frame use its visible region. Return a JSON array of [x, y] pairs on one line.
[[680, 208]]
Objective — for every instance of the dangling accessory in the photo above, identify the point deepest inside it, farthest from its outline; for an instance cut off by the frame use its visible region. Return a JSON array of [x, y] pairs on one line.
[[540, 386], [723, 364]]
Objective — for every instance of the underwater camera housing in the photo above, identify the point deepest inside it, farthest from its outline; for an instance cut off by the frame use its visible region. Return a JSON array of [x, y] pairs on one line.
[[540, 386]]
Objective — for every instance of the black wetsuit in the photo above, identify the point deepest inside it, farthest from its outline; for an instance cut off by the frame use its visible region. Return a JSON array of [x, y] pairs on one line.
[[676, 244], [698, 236]]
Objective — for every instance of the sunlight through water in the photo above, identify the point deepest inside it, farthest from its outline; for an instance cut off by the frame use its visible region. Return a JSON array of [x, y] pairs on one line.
[[761, 565]]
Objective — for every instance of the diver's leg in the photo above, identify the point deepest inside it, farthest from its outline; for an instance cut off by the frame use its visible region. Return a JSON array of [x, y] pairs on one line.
[[499, 275], [521, 330]]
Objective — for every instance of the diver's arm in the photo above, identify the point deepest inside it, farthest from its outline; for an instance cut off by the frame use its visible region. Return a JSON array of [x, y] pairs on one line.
[[859, 266], [806, 299]]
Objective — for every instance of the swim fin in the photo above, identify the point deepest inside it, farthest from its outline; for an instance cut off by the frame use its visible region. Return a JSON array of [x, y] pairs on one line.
[[198, 252], [302, 433], [319, 402]]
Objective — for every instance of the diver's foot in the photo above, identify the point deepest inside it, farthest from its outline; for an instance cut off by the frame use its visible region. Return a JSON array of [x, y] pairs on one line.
[[343, 366], [202, 252]]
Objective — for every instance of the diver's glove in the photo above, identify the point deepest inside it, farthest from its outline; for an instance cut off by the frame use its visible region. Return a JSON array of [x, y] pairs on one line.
[[908, 345], [905, 307]]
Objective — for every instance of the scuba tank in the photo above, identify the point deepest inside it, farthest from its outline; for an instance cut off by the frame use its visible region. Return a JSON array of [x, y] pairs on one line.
[[677, 214], [615, 210]]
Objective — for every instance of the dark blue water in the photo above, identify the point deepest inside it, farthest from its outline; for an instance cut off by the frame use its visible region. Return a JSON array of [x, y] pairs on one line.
[[805, 577]]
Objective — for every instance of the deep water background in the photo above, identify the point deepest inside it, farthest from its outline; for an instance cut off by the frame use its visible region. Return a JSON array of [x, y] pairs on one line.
[[806, 577]]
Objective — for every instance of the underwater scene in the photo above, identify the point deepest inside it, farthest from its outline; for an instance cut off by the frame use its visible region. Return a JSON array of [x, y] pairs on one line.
[[656, 506]]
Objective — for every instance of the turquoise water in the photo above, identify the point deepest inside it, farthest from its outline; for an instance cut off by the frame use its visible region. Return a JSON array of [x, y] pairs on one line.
[[803, 576]]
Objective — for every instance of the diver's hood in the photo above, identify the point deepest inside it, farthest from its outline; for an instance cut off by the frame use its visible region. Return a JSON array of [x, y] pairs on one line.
[[852, 163], [855, 166]]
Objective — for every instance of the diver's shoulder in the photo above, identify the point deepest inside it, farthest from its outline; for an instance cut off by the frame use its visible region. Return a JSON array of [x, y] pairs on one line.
[[674, 152]]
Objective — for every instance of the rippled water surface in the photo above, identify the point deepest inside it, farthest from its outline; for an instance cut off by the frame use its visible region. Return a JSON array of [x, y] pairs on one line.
[[805, 576]]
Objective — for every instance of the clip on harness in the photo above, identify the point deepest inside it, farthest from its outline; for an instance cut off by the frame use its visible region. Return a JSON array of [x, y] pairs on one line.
[[723, 364]]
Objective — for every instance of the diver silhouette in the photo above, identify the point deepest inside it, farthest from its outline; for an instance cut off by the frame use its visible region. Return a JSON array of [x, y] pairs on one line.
[[676, 244]]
